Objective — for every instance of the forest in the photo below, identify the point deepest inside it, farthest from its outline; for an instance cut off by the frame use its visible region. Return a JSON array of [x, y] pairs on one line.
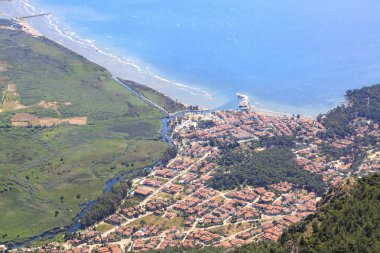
[[347, 220], [263, 168], [105, 205], [364, 103]]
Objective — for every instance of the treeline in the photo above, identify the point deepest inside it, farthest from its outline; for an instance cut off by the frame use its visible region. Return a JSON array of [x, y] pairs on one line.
[[257, 169], [364, 102], [347, 221], [203, 124], [278, 141], [108, 202], [169, 154], [105, 205]]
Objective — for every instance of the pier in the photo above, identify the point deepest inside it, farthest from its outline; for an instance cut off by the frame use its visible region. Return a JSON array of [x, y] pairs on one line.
[[245, 102]]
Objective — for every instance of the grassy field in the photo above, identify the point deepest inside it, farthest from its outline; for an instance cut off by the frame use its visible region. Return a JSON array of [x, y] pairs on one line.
[[45, 173], [153, 219], [104, 227], [157, 97]]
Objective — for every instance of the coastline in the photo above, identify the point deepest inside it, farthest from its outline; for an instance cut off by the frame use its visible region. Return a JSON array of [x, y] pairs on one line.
[[26, 27], [130, 69], [259, 105], [121, 66]]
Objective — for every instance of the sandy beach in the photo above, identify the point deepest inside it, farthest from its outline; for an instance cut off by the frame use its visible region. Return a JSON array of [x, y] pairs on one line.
[[130, 68], [26, 27], [118, 64], [95, 56]]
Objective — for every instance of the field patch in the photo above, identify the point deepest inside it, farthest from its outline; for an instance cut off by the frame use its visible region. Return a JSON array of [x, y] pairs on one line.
[[135, 129], [11, 99], [27, 119]]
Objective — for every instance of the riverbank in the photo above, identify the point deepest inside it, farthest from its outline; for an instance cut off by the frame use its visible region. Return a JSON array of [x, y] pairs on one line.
[[47, 173]]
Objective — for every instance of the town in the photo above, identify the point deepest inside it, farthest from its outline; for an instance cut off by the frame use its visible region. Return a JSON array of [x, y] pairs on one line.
[[174, 207]]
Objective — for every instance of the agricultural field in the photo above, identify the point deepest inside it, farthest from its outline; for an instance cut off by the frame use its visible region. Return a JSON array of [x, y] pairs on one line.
[[47, 172]]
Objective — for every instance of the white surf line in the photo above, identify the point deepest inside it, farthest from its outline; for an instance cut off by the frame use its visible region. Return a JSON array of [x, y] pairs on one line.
[[54, 24]]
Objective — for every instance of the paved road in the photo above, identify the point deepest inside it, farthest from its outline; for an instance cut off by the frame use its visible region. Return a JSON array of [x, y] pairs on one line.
[[173, 179], [141, 96], [143, 203]]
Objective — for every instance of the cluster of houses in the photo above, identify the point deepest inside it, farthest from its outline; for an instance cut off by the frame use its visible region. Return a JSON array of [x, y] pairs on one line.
[[177, 191], [110, 249], [245, 126]]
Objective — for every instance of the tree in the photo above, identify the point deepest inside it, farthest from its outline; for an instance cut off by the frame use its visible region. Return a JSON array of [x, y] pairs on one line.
[[270, 166]]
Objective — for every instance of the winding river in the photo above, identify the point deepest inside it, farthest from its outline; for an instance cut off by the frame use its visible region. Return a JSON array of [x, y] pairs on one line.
[[166, 134]]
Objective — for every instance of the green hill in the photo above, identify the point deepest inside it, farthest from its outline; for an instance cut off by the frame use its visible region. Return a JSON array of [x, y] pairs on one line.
[[347, 220], [364, 103], [45, 173]]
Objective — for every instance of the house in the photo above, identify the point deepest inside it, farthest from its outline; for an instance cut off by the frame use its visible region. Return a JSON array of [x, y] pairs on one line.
[[2, 248], [143, 191]]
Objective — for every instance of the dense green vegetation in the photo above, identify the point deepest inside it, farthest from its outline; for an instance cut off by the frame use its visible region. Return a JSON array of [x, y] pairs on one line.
[[45, 173], [105, 205], [364, 102], [169, 154], [156, 97], [263, 168], [278, 141], [348, 220], [203, 124]]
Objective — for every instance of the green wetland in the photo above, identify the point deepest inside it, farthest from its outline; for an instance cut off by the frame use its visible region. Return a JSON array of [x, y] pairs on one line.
[[46, 173]]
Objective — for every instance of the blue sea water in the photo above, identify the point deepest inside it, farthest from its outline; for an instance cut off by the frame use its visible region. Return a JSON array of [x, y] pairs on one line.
[[289, 53]]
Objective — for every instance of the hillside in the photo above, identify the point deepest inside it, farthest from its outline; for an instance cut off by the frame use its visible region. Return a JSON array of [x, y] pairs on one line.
[[361, 103], [66, 127], [347, 220]]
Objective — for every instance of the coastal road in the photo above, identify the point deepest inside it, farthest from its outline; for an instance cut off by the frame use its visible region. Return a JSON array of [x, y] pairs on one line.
[[148, 101]]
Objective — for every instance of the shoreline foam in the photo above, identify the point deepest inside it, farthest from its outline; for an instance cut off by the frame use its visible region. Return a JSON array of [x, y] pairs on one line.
[[89, 49], [178, 91]]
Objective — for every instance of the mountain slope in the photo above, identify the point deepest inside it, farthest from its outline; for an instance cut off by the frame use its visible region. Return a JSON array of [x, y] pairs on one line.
[[364, 103]]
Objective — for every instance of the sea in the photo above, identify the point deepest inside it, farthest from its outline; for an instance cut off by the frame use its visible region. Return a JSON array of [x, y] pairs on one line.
[[290, 56]]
